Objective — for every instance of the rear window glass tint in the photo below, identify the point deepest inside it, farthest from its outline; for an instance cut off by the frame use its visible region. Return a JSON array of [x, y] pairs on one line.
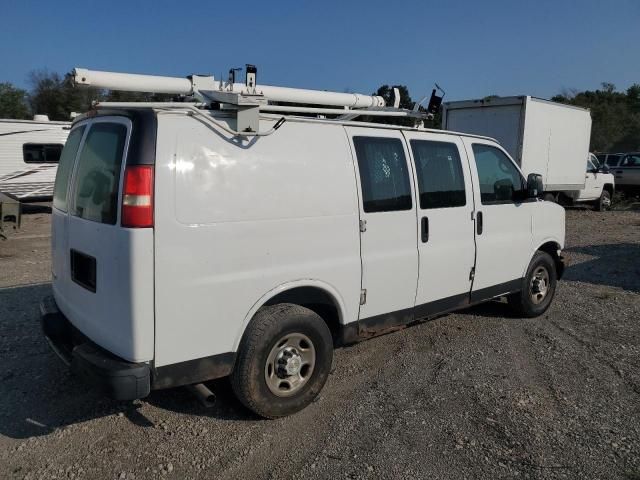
[[65, 166], [98, 173]]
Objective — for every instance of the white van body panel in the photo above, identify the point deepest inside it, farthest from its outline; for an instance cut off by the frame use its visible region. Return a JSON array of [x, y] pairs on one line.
[[547, 226], [17, 177], [234, 221]]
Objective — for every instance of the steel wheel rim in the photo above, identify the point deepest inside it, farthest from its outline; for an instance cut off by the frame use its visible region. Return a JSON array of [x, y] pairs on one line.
[[540, 285], [290, 364], [606, 201]]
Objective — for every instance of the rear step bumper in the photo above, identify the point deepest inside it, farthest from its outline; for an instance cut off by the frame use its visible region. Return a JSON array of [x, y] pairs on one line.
[[113, 376]]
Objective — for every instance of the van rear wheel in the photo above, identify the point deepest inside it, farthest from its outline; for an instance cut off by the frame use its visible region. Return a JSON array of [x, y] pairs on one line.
[[284, 360], [538, 287]]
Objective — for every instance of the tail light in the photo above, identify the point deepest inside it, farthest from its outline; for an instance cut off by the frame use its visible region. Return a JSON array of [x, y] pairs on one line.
[[137, 197]]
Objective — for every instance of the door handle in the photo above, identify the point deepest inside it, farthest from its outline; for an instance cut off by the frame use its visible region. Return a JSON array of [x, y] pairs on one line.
[[479, 223], [424, 229]]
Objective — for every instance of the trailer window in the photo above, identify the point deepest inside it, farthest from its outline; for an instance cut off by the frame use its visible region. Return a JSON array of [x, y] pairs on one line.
[[41, 152], [500, 180], [97, 175], [65, 166], [440, 178], [383, 174]]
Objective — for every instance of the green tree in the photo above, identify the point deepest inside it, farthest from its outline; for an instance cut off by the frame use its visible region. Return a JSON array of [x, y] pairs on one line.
[[54, 95], [615, 116], [386, 92], [13, 102]]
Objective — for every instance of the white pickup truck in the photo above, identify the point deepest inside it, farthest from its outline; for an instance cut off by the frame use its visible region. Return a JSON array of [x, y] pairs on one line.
[[598, 189]]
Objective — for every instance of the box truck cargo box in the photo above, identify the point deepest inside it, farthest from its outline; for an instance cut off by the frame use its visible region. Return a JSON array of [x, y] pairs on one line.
[[542, 136]]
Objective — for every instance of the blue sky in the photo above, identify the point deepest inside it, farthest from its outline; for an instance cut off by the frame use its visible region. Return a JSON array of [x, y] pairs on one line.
[[471, 48]]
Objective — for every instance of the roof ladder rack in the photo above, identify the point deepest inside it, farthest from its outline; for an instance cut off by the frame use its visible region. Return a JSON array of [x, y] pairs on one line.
[[244, 100]]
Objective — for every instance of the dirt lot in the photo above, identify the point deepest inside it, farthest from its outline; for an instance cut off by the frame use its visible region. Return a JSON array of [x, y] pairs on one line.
[[477, 394]]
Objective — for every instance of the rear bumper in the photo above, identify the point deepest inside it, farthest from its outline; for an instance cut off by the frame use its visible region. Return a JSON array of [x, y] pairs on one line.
[[106, 372]]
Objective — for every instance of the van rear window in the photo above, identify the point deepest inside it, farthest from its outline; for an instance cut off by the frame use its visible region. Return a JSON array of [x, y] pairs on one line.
[[98, 173], [65, 166]]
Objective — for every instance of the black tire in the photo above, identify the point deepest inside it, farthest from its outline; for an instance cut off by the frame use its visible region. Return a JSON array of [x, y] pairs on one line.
[[524, 302], [549, 197], [265, 331], [604, 202]]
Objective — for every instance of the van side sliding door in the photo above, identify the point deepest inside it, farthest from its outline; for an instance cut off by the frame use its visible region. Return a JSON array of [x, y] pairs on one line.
[[388, 227], [446, 243]]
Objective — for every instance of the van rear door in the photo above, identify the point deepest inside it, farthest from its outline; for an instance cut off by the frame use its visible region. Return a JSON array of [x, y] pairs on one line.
[[103, 273]]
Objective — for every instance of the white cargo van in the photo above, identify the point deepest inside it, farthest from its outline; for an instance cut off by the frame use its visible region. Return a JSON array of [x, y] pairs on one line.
[[186, 248], [544, 137]]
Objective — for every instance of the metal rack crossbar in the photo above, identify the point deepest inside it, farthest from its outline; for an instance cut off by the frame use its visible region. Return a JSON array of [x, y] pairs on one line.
[[244, 101]]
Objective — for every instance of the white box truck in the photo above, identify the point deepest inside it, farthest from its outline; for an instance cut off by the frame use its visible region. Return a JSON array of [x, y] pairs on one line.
[[542, 137]]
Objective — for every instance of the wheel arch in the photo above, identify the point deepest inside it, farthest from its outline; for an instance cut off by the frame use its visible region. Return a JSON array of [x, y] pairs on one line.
[[316, 295], [609, 188], [551, 246]]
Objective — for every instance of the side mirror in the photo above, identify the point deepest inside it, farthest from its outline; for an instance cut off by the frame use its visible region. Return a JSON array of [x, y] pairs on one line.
[[535, 187], [604, 168]]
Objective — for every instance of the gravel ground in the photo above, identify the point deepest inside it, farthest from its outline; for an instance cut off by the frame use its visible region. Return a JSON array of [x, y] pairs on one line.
[[477, 394]]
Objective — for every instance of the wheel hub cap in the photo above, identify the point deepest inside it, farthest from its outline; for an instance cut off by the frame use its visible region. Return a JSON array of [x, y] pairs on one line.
[[539, 285], [290, 364]]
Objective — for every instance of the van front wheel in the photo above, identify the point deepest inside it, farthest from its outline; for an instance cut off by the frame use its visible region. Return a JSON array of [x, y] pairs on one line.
[[283, 361], [538, 287]]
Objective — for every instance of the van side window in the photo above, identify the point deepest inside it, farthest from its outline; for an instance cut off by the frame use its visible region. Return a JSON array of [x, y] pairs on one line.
[[440, 177], [97, 176], [500, 180], [383, 173], [65, 166]]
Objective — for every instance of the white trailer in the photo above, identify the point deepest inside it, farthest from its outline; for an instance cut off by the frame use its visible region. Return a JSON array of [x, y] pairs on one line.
[[543, 137], [29, 154]]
